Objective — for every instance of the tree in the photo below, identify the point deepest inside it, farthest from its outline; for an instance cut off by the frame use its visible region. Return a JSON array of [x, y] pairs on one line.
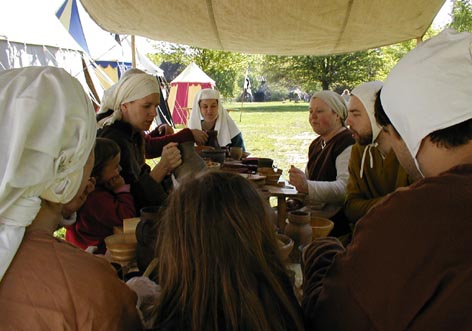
[[330, 72], [461, 15]]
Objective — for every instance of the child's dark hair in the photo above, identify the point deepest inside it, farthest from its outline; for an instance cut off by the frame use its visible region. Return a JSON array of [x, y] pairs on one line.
[[105, 150]]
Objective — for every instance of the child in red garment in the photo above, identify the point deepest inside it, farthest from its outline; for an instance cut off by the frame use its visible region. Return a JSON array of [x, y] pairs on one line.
[[107, 205]]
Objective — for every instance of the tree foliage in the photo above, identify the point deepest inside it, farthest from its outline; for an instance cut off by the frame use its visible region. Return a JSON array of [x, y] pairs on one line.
[[461, 15], [335, 72]]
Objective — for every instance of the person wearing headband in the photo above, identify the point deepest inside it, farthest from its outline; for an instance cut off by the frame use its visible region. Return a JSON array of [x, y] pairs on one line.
[[325, 177], [408, 266], [209, 115], [127, 112], [48, 128], [374, 170]]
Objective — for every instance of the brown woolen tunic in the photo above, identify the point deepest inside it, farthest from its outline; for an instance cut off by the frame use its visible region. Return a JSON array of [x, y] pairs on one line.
[[409, 265], [52, 285]]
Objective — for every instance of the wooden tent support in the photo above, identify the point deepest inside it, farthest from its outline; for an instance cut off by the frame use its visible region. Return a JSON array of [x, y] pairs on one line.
[[419, 40], [133, 52]]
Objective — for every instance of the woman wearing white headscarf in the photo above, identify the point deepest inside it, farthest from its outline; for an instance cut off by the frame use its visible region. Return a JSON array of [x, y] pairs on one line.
[[326, 174], [209, 115], [47, 129], [126, 113]]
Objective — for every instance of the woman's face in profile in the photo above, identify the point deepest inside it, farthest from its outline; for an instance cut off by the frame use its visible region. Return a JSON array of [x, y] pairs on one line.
[[209, 109], [140, 113]]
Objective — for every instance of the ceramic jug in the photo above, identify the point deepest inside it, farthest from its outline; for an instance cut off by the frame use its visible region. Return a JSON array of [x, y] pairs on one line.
[[191, 161], [146, 236], [213, 139], [299, 229]]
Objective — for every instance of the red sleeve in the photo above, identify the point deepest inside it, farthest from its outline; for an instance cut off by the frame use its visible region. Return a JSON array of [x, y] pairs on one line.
[[154, 145], [108, 209]]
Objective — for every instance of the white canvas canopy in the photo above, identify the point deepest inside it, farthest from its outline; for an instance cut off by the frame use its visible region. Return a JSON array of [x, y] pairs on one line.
[[296, 27]]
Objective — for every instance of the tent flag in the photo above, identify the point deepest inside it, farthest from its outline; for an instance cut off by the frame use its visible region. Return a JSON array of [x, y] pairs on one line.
[[68, 14], [247, 82], [117, 39]]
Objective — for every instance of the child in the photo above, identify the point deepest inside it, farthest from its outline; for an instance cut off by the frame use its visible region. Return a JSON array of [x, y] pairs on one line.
[[107, 205]]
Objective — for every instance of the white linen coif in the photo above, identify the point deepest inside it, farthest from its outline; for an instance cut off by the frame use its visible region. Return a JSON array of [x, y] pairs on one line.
[[430, 88], [366, 93], [129, 88], [335, 101], [225, 125], [47, 129]]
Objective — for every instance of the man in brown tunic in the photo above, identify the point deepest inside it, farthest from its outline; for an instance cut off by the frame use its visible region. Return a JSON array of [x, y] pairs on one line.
[[409, 264]]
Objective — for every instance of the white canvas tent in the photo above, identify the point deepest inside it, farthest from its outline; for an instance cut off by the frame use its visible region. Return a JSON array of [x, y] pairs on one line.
[[183, 90], [40, 40], [296, 27]]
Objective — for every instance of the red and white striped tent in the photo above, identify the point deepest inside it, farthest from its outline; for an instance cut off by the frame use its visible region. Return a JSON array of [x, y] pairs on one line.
[[183, 90]]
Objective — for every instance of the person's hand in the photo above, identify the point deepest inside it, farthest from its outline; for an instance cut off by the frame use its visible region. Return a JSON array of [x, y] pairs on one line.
[[171, 157], [298, 179], [115, 183], [165, 129], [69, 208], [201, 137], [146, 290]]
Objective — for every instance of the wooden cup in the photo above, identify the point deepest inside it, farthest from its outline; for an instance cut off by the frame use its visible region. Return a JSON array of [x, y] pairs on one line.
[[236, 153]]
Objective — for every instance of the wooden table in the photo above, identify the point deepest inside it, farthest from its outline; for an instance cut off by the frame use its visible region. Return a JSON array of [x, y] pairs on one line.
[[282, 193]]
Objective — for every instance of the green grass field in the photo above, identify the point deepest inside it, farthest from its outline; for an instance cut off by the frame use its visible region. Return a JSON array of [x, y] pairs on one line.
[[276, 130]]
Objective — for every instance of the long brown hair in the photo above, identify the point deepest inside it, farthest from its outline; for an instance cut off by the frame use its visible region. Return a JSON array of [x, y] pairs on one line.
[[220, 267]]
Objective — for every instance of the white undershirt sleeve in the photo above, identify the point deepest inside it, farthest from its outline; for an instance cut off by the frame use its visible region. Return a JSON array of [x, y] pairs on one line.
[[332, 191]]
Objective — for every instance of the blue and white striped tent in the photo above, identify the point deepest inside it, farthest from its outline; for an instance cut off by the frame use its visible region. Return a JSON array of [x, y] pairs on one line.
[[109, 51]]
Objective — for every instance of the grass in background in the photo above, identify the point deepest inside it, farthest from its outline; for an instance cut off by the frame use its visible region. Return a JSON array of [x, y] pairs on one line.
[[277, 130]]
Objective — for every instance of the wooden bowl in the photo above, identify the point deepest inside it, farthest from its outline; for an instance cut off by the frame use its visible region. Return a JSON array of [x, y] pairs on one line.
[[272, 176], [122, 247], [200, 149], [285, 245], [215, 155], [213, 165], [321, 227]]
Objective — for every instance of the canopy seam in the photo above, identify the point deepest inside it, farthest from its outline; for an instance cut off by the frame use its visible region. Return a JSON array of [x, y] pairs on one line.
[[211, 16], [343, 28]]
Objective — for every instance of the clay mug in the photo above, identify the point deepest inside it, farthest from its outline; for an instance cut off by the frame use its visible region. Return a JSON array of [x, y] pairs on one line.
[[236, 153]]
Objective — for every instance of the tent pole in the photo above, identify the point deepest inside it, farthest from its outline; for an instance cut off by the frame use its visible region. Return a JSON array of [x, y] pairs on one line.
[[419, 40], [133, 51]]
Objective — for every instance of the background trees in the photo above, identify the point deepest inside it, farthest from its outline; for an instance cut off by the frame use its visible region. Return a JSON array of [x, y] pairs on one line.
[[461, 15], [335, 72]]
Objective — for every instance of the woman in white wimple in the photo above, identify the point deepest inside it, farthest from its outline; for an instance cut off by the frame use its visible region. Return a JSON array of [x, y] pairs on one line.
[[209, 115]]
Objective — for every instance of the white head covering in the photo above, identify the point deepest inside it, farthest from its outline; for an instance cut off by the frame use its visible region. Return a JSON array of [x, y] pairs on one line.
[[366, 93], [430, 88], [130, 87], [225, 125], [334, 101], [47, 131]]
